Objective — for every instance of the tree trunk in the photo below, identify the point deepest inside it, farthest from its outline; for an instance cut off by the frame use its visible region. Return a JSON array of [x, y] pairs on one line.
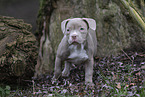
[[116, 29], [46, 57]]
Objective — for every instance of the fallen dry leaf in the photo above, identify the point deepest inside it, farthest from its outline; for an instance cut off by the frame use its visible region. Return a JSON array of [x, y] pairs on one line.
[[118, 85]]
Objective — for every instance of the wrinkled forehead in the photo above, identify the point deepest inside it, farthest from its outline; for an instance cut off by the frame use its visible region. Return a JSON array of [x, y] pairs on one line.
[[77, 22]]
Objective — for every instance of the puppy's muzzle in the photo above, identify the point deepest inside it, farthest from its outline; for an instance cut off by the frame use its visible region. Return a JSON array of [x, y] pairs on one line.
[[74, 37]]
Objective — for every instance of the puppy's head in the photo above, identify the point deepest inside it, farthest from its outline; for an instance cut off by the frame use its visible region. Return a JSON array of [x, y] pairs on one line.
[[76, 29]]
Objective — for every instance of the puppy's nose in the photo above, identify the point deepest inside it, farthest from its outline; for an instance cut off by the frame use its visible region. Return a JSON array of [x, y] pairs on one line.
[[74, 37]]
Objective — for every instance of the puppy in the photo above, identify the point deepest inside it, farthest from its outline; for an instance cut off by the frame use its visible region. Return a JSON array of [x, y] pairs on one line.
[[78, 46]]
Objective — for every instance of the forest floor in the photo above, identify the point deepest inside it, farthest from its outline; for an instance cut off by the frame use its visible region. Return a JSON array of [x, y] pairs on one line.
[[123, 75]]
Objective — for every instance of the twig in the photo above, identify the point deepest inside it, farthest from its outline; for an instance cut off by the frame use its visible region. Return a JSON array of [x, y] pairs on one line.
[[33, 87], [127, 56]]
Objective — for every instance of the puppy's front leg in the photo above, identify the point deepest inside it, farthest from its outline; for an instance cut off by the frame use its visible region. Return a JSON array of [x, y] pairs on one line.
[[66, 70], [89, 71], [57, 70]]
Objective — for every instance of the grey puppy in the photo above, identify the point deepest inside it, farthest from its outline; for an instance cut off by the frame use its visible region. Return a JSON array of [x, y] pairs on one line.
[[78, 46]]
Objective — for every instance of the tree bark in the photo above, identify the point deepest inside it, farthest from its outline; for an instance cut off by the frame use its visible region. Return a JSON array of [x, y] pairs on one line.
[[46, 56]]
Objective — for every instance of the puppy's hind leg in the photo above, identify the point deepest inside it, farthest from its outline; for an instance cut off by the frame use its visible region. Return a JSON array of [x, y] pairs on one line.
[[66, 70]]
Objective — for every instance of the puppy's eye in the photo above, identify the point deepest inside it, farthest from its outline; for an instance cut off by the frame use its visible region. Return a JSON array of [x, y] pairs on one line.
[[68, 30], [82, 29]]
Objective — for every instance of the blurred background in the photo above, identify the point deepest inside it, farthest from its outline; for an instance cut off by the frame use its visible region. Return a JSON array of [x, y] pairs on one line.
[[21, 9]]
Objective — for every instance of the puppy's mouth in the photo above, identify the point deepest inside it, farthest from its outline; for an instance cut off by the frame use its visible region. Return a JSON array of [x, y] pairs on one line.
[[75, 42]]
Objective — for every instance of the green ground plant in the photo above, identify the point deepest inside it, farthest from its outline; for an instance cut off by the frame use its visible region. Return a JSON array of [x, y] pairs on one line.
[[4, 91]]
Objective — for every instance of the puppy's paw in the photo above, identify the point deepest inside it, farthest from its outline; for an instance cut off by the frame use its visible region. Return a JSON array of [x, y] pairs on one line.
[[65, 73], [89, 85], [53, 80]]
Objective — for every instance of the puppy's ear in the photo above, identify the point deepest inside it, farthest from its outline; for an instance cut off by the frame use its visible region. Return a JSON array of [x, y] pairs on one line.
[[63, 25], [91, 22]]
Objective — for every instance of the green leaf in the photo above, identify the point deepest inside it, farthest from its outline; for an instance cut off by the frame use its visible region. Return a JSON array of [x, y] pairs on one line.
[[7, 92], [1, 89], [7, 88]]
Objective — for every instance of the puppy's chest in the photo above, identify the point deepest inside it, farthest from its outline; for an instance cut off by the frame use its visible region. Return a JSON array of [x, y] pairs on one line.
[[78, 54]]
